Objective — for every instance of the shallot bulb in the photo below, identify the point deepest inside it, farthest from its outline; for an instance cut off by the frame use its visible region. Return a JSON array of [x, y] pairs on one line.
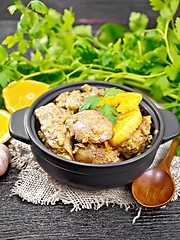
[[4, 158]]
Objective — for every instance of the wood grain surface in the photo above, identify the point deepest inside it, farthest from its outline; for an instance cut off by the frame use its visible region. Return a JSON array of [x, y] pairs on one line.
[[23, 220]]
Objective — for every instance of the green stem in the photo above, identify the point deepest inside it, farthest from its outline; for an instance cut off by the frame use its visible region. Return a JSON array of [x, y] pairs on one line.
[[154, 75], [166, 41], [173, 96], [139, 49], [27, 7], [97, 43], [98, 32], [171, 105], [133, 76], [92, 65], [156, 29], [14, 70], [45, 48], [125, 75], [135, 84], [95, 71], [42, 72]]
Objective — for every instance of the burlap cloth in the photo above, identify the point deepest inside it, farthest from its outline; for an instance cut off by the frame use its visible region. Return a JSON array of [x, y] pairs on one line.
[[36, 186]]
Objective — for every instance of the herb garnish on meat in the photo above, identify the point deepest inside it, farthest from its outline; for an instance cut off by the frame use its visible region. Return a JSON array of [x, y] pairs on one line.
[[107, 110]]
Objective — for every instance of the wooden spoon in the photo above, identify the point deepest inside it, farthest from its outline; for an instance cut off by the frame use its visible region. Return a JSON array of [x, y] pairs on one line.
[[156, 187]]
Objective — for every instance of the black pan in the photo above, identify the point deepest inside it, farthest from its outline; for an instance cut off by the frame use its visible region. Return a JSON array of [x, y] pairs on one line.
[[24, 127]]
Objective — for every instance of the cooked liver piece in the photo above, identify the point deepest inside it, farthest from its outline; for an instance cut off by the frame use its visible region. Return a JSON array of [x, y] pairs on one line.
[[90, 126], [139, 139], [71, 100], [92, 90], [53, 130], [96, 155]]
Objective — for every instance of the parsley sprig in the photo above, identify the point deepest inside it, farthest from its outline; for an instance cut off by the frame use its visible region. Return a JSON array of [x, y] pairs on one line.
[[148, 59], [107, 110]]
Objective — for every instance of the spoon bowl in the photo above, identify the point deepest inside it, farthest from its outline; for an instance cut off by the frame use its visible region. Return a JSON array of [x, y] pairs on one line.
[[156, 187]]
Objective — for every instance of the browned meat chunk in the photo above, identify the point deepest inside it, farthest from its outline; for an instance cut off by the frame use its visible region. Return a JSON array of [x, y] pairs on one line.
[[139, 139], [90, 126], [71, 100], [53, 130], [95, 154], [92, 90]]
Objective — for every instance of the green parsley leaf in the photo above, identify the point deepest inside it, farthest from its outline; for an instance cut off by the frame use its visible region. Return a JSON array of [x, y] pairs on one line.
[[23, 46], [12, 9], [106, 58], [16, 5], [157, 5], [110, 32], [22, 25], [138, 22], [10, 41], [84, 51], [36, 28], [3, 54], [173, 5], [173, 71], [85, 31], [53, 18], [68, 19], [5, 77], [90, 102], [39, 7], [177, 23], [166, 12], [112, 92], [156, 92], [110, 112]]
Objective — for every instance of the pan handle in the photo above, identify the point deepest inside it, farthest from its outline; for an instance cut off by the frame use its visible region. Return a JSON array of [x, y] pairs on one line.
[[17, 126], [171, 123]]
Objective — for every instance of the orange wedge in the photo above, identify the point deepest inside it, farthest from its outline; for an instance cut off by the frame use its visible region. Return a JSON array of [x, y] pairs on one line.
[[111, 100], [125, 125], [4, 126], [123, 101], [128, 101], [21, 94]]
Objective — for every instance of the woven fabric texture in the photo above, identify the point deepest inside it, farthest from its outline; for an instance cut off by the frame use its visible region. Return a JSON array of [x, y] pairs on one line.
[[36, 186]]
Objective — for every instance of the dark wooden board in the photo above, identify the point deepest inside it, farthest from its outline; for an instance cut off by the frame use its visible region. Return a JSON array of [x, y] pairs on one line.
[[23, 220]]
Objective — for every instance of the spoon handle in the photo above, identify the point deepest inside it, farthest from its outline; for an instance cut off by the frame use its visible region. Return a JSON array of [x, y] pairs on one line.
[[166, 163]]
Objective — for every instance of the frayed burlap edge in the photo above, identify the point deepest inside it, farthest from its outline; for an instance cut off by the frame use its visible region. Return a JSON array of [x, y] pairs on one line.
[[36, 186]]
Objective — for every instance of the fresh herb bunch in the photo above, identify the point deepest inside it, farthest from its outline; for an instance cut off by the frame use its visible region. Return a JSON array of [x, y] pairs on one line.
[[51, 49], [107, 110]]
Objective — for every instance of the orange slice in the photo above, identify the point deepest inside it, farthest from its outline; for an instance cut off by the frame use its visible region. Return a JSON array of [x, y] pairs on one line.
[[4, 126], [21, 94], [128, 101], [123, 101], [111, 100], [125, 125]]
